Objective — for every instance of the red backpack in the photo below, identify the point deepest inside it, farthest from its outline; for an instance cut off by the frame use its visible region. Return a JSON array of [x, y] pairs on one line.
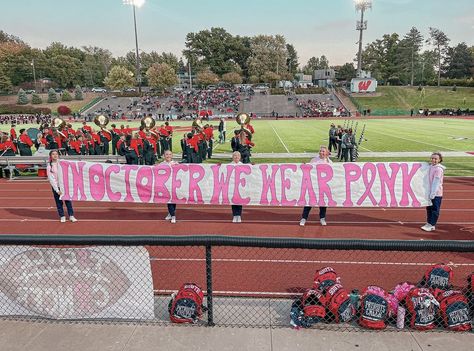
[[422, 308], [186, 305], [338, 303], [438, 276], [313, 304], [454, 309], [373, 308], [324, 278]]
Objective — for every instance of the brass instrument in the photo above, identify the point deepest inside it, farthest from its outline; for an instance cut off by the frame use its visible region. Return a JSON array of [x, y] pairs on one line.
[[148, 123], [197, 124], [101, 121], [243, 119], [58, 125]]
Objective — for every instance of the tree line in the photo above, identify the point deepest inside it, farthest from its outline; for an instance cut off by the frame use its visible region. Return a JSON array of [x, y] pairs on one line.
[[215, 54]]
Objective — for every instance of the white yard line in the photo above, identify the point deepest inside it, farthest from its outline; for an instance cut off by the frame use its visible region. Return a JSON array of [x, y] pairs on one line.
[[414, 141], [281, 141]]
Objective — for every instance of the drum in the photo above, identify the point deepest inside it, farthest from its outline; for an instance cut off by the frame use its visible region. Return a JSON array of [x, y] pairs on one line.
[[33, 133]]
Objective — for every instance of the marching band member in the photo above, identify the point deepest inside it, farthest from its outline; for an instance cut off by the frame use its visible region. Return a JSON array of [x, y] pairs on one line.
[[132, 152], [86, 128], [7, 148], [170, 135], [115, 138], [164, 138], [25, 143], [105, 137], [52, 172], [236, 209], [323, 158], [209, 132], [168, 156], [149, 149]]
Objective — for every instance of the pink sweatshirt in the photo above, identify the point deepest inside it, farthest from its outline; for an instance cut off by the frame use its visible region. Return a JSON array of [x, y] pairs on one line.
[[317, 159]]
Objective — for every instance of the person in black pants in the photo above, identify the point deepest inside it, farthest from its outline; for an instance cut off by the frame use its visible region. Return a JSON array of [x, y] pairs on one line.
[[236, 209], [332, 138], [168, 156]]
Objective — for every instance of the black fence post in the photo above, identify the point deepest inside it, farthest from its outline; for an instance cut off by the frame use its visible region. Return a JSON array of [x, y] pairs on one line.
[[210, 311]]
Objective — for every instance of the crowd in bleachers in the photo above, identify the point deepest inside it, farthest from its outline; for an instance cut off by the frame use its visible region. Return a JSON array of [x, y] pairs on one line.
[[221, 100], [24, 119], [318, 108]]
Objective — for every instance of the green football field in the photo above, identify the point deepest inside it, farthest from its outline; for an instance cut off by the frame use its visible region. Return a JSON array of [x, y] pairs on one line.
[[381, 135]]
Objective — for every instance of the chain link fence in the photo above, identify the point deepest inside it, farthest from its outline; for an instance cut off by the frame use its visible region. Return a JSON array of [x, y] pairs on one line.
[[245, 281]]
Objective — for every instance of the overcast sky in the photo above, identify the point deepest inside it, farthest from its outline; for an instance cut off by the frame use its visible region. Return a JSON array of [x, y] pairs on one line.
[[314, 27]]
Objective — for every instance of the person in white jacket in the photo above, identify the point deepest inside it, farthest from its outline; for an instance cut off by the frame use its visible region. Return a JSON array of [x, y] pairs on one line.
[[436, 175], [52, 172], [322, 158]]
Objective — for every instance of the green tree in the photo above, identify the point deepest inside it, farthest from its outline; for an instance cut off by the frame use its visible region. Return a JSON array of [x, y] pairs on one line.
[[5, 82], [36, 99], [96, 65], [207, 77], [382, 57], [271, 77], [268, 55], [52, 97], [66, 96], [346, 72], [78, 93], [440, 42], [232, 78], [119, 77], [315, 63], [459, 61], [65, 70], [254, 79], [161, 76], [215, 48], [292, 59], [412, 43], [22, 97]]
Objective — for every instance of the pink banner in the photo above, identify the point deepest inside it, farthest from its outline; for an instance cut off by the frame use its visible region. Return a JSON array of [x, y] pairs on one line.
[[383, 184]]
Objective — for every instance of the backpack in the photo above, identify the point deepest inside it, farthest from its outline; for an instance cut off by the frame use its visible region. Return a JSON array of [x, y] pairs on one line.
[[325, 278], [186, 305], [454, 310], [438, 276], [338, 303], [422, 308], [373, 308], [308, 309]]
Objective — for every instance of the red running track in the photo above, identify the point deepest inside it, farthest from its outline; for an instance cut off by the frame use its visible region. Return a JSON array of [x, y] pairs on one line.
[[27, 207]]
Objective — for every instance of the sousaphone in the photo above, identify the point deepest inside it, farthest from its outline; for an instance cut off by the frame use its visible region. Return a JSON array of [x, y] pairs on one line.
[[197, 124], [101, 121], [58, 125], [243, 119], [148, 123]]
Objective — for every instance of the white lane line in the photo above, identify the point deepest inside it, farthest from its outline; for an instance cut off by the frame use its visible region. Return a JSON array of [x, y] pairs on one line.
[[308, 261], [220, 207], [281, 141], [225, 221], [415, 141]]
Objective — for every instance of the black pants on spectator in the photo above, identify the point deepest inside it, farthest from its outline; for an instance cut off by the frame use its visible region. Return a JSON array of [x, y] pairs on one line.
[[59, 205], [172, 209], [307, 210], [236, 210], [332, 144]]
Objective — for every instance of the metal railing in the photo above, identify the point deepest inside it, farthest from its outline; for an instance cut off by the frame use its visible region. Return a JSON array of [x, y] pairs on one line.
[[247, 281]]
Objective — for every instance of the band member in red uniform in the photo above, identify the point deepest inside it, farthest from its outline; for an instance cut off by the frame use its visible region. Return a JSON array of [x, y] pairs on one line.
[[142, 133], [121, 145], [149, 150], [13, 133], [132, 152], [86, 128], [105, 138], [168, 156], [209, 132], [52, 172], [7, 148], [170, 135], [25, 144], [97, 143], [164, 138], [115, 138]]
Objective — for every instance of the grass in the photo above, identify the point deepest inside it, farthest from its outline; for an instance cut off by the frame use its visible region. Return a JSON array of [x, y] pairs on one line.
[[406, 98], [383, 135]]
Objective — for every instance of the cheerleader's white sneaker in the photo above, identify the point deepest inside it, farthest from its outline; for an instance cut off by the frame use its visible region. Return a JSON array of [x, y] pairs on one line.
[[302, 222]]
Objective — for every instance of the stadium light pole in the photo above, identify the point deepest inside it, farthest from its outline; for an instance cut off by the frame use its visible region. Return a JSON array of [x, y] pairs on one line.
[[362, 6], [136, 3]]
